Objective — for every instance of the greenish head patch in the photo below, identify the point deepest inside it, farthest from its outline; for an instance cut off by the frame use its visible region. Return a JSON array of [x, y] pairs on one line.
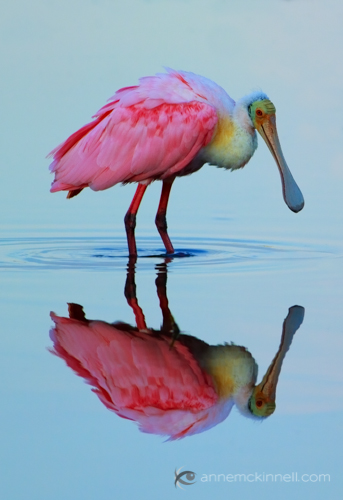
[[259, 109], [260, 405]]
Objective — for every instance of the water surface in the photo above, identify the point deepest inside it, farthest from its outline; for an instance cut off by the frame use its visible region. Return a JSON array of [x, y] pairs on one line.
[[234, 291]]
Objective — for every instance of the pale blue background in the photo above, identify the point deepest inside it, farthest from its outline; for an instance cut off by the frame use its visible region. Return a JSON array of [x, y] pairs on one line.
[[60, 61]]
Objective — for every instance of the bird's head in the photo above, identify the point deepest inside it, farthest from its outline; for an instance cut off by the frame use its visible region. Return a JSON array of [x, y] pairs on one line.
[[260, 404], [262, 400], [260, 110], [262, 114]]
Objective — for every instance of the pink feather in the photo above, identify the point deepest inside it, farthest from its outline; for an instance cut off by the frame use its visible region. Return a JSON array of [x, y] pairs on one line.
[[147, 132], [138, 376]]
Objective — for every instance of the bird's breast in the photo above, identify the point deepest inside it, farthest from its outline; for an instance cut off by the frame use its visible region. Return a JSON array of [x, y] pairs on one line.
[[232, 145]]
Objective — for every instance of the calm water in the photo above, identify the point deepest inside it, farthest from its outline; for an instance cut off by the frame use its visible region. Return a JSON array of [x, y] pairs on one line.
[[60, 439]]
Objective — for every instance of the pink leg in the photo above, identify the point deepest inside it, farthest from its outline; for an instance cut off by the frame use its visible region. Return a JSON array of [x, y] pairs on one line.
[[130, 294], [161, 286], [169, 326], [160, 220], [130, 219]]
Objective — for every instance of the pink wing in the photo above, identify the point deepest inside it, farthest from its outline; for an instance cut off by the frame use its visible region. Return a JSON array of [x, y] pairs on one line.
[[131, 369], [150, 131], [138, 376]]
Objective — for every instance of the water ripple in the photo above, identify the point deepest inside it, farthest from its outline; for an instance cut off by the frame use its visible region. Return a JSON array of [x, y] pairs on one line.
[[104, 253]]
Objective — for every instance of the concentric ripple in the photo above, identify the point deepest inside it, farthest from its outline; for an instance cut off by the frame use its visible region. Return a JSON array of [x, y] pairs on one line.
[[195, 254]]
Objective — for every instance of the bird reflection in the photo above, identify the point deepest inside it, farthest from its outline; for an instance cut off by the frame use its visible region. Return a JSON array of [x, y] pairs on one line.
[[171, 384]]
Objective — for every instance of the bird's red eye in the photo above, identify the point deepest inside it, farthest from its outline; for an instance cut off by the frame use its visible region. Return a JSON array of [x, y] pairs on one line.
[[259, 404], [259, 112]]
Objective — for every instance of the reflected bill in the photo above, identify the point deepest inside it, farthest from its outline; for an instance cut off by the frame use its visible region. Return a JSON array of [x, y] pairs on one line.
[[171, 384]]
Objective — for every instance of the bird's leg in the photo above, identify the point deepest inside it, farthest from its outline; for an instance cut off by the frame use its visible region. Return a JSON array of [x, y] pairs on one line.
[[169, 325], [160, 220], [130, 219], [130, 294], [161, 287]]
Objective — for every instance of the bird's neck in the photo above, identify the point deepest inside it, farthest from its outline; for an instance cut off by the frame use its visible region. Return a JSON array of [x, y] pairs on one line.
[[234, 141], [232, 369]]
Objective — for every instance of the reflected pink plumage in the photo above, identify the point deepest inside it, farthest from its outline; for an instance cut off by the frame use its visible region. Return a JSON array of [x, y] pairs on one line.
[[138, 375], [149, 131]]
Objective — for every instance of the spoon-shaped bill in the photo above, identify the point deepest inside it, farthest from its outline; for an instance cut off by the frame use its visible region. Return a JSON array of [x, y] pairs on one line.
[[291, 192], [262, 402]]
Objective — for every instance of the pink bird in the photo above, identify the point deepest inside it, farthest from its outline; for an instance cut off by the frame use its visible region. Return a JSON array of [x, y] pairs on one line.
[[170, 384], [168, 126]]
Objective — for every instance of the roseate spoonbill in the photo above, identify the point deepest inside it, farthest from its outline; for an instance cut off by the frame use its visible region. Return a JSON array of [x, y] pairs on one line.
[[168, 126], [169, 383]]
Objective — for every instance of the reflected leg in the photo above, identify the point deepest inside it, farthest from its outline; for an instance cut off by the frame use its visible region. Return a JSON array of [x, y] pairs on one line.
[[160, 220], [130, 219], [169, 326], [130, 295]]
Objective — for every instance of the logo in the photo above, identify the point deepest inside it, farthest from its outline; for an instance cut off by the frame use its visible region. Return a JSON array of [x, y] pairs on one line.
[[187, 474]]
